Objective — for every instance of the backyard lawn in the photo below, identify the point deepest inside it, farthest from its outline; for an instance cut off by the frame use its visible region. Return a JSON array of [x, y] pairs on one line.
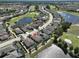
[[74, 30], [73, 38], [73, 13]]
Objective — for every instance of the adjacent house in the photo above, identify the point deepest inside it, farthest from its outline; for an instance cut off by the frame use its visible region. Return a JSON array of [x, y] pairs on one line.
[[14, 54], [69, 7], [26, 28], [37, 38], [48, 32], [50, 28], [3, 34], [28, 42], [10, 51], [44, 36], [5, 50], [4, 37], [18, 31]]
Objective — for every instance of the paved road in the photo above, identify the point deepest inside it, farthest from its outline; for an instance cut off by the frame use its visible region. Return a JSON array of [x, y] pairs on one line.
[[52, 52], [9, 42], [49, 21], [10, 29]]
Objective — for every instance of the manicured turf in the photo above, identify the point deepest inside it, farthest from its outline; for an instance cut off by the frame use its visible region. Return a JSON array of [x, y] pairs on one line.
[[52, 7], [29, 15], [32, 8], [72, 34], [74, 30], [73, 13], [73, 38]]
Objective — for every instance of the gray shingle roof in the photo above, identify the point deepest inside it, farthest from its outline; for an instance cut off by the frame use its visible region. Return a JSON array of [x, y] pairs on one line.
[[50, 28], [37, 38], [13, 54], [10, 56], [44, 36], [18, 31], [47, 31], [69, 7], [28, 42], [4, 37], [6, 50]]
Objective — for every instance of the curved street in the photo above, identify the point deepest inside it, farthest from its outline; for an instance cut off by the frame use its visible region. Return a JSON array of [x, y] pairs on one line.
[[49, 21]]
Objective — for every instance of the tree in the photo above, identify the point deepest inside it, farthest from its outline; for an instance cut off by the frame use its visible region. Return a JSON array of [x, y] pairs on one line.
[[65, 45], [76, 50], [35, 47], [65, 26], [60, 40], [37, 7], [57, 8], [58, 31], [55, 41], [48, 7], [71, 48], [55, 36]]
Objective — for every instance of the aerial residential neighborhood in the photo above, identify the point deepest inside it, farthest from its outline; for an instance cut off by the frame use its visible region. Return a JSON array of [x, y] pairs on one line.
[[39, 29]]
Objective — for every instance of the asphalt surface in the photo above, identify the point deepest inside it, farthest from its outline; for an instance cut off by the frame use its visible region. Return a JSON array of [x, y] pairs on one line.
[[9, 42], [52, 52], [49, 21]]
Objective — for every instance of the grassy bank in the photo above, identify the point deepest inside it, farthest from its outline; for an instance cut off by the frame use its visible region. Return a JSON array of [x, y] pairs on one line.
[[72, 37], [70, 12], [32, 15], [74, 30], [53, 7]]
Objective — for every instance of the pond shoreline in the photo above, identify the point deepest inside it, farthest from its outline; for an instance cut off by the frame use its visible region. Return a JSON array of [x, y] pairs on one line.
[[69, 17], [75, 24]]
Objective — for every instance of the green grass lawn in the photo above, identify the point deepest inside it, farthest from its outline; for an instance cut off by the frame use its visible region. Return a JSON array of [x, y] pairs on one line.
[[74, 30], [70, 12], [32, 8], [32, 15], [73, 13], [73, 38], [72, 34], [52, 7]]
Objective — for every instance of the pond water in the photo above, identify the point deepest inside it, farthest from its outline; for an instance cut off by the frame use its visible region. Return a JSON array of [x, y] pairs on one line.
[[24, 21], [70, 18]]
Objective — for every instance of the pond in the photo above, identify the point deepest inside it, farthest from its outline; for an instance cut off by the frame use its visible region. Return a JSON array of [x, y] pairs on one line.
[[24, 21], [70, 18]]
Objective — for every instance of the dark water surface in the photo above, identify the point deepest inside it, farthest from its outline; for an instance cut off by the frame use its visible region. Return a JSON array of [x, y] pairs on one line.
[[70, 18], [24, 21]]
